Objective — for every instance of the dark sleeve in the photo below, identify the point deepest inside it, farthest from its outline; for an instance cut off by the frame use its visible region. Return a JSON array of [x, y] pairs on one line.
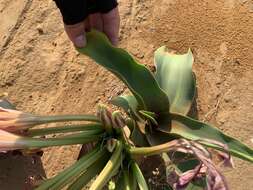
[[75, 11], [105, 6]]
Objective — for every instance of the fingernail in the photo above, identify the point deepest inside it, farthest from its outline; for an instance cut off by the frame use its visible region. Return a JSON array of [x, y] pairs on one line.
[[80, 41]]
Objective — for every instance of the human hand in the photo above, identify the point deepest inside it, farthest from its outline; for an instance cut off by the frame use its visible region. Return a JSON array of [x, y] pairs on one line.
[[104, 22]]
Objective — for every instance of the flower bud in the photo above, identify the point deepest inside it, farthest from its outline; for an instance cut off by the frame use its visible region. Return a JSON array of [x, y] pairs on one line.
[[13, 120], [9, 141]]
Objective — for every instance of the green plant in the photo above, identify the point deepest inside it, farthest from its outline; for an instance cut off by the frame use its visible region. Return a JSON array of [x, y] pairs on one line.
[[155, 122]]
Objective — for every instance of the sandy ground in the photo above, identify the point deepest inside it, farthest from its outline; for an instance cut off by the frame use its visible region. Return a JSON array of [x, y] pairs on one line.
[[43, 73]]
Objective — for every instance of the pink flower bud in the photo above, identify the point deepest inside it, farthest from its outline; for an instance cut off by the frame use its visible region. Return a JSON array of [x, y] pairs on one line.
[[9, 141], [13, 120]]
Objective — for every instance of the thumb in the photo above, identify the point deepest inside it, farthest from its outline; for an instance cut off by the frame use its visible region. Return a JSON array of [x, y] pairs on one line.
[[76, 34]]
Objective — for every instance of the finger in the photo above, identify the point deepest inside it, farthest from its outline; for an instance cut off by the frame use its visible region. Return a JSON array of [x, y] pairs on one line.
[[76, 34], [96, 21], [111, 22]]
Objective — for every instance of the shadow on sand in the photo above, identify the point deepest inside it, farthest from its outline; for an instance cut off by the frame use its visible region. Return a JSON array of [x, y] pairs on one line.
[[19, 172]]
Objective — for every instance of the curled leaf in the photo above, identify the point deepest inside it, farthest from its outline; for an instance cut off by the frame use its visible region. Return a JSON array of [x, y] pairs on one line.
[[175, 77]]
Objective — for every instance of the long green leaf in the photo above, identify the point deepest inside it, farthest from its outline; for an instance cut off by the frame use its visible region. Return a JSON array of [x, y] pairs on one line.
[[137, 77], [175, 77], [60, 178], [68, 178], [120, 183], [126, 181], [64, 129], [88, 175], [139, 176], [38, 120], [80, 138], [110, 168], [132, 180], [195, 130], [63, 118]]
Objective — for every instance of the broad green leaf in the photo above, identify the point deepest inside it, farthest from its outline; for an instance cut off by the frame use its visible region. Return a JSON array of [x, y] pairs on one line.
[[137, 77], [195, 130], [175, 77]]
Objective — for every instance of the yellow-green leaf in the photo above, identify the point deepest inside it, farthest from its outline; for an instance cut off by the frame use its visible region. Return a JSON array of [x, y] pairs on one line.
[[175, 77]]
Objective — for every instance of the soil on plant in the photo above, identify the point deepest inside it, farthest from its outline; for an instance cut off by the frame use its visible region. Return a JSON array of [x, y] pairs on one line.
[[43, 74]]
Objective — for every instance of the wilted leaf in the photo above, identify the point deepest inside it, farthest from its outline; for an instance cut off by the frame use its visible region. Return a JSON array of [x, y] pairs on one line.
[[156, 137]]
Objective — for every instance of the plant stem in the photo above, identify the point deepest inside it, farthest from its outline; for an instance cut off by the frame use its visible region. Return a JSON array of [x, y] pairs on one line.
[[64, 129], [69, 171], [91, 172], [148, 151], [112, 165], [82, 167], [65, 118], [81, 138]]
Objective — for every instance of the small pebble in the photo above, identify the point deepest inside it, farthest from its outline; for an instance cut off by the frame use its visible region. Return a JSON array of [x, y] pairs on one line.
[[40, 29]]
